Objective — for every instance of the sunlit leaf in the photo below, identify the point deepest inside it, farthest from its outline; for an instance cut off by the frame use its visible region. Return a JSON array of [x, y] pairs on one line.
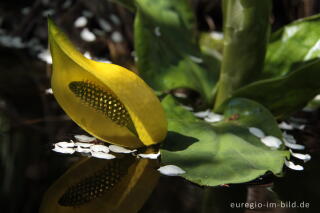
[[225, 152], [287, 94], [167, 51], [292, 45]]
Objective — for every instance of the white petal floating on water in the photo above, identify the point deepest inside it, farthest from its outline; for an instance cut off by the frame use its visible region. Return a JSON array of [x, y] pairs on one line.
[[48, 12], [84, 138], [81, 22], [64, 150], [48, 91], [83, 145], [87, 13], [45, 56], [171, 170], [115, 19], [180, 94], [99, 148], [116, 37], [105, 25], [25, 10], [189, 108], [293, 166], [87, 55], [102, 155], [157, 31], [66, 4], [213, 117], [87, 35], [216, 35], [293, 145], [150, 156], [289, 137], [271, 141], [317, 98], [304, 157], [64, 144], [82, 149], [285, 125], [256, 132], [202, 114], [196, 59], [119, 149]]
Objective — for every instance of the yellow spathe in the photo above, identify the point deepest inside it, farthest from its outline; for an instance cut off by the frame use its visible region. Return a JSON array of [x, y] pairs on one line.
[[107, 100]]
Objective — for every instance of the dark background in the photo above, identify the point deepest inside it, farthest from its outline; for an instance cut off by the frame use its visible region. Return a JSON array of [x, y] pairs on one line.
[[31, 120]]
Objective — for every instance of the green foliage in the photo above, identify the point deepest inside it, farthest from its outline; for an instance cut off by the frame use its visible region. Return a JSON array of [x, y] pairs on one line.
[[285, 95], [225, 152], [292, 45], [246, 30], [167, 48]]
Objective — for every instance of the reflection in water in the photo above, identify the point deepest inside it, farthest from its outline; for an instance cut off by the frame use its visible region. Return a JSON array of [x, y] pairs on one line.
[[94, 185]]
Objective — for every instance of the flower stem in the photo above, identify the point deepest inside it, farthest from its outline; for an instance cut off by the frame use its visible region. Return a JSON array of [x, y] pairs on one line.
[[246, 29]]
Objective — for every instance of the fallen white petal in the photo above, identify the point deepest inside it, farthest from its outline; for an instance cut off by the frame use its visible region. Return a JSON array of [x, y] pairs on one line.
[[87, 35], [271, 141], [99, 148], [66, 4], [195, 59], [216, 35], [81, 22], [84, 138], [293, 145], [150, 156], [119, 149], [83, 145], [63, 150], [48, 12], [304, 157], [180, 95], [189, 108], [171, 170], [103, 60], [286, 126], [64, 144], [289, 137], [105, 25], [292, 166], [48, 91], [45, 56], [157, 31], [202, 114], [87, 13], [298, 126], [87, 55], [102, 155], [115, 19], [213, 117], [116, 37], [82, 149], [256, 132], [317, 98]]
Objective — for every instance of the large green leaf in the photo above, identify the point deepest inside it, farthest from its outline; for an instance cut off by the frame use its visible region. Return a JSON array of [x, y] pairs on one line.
[[167, 48], [293, 44], [287, 94], [225, 152]]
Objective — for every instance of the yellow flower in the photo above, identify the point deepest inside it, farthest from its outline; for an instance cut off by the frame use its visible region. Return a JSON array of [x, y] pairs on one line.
[[107, 100]]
